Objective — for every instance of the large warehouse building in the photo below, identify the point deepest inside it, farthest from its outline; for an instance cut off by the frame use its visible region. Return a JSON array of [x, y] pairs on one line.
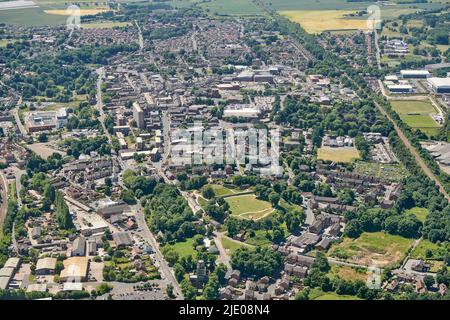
[[415, 74], [440, 85]]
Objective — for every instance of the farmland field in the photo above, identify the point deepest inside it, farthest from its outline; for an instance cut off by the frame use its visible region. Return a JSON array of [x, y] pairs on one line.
[[248, 207], [83, 12], [232, 7], [376, 248], [316, 21], [341, 4], [343, 155]]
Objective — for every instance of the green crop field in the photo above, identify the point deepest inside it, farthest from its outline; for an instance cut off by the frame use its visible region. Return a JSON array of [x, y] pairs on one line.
[[375, 248], [30, 17], [248, 207], [232, 8]]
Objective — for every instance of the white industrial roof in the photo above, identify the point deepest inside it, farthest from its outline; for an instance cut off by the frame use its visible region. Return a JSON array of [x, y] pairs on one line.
[[439, 82], [409, 72], [400, 86]]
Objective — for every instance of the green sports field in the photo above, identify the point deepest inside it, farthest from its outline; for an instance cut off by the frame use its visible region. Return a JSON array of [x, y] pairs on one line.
[[417, 115], [248, 207]]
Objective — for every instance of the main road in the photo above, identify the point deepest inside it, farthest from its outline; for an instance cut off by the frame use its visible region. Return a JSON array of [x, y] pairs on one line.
[[163, 266], [99, 105]]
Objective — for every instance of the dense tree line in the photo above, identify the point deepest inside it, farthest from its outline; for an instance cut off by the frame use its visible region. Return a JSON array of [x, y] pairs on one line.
[[167, 211], [257, 262]]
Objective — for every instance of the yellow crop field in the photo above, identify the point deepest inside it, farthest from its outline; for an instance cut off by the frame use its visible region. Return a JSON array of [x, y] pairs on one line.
[[83, 12], [317, 21]]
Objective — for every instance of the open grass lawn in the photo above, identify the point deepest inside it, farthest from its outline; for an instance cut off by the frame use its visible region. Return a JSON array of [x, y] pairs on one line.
[[420, 213], [184, 248], [417, 114], [231, 245], [220, 190], [438, 251], [248, 207], [390, 172], [232, 8], [202, 202], [372, 249], [342, 155], [259, 240], [317, 294], [317, 21], [348, 273]]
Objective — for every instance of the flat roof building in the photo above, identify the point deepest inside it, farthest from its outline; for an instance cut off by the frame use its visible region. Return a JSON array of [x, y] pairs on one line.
[[440, 85], [412, 74], [400, 88], [138, 115], [46, 266], [122, 239], [75, 269]]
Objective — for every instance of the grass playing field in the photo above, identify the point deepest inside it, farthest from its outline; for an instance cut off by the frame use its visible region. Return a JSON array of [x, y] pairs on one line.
[[248, 207], [417, 114], [220, 190], [372, 249], [342, 155]]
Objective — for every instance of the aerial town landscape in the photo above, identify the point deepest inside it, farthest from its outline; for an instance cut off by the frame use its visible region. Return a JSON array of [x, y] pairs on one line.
[[224, 150]]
